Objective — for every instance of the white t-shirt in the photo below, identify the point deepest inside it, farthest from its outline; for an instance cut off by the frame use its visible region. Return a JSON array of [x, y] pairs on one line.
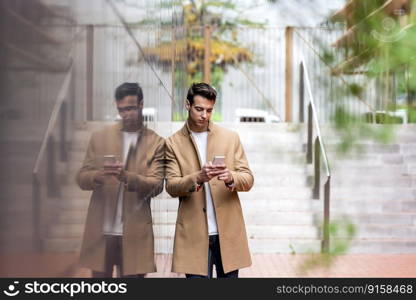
[[201, 140], [113, 223]]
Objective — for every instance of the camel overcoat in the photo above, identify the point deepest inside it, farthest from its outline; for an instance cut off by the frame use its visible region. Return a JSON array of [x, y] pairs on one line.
[[190, 251], [145, 173]]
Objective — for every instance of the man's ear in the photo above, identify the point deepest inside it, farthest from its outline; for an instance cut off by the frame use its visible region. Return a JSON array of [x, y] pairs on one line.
[[187, 105], [140, 104]]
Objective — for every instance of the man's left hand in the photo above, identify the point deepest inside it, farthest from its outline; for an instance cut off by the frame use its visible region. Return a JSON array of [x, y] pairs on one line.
[[118, 171], [226, 176]]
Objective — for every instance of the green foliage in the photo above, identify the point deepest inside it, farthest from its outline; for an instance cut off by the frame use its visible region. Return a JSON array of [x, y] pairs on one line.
[[351, 127], [182, 116], [355, 89], [341, 233], [179, 116], [221, 4]]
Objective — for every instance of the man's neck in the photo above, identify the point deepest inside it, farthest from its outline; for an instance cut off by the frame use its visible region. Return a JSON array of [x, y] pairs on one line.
[[194, 128], [132, 128]]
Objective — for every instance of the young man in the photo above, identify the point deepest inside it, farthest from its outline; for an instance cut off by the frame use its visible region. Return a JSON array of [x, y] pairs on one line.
[[124, 167], [210, 227]]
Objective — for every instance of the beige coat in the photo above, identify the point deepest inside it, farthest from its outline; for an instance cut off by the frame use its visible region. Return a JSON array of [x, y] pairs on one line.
[[190, 253], [145, 180]]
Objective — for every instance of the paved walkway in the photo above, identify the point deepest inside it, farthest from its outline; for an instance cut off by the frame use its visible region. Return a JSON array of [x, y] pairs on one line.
[[264, 265]]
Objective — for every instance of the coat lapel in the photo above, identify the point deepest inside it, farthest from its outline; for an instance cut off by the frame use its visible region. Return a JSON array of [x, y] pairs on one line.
[[211, 142], [117, 142], [188, 135]]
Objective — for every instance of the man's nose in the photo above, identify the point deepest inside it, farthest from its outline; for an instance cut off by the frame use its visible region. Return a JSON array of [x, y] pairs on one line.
[[204, 114]]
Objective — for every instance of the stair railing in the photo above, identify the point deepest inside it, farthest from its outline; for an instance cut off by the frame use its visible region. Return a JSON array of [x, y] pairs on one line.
[[316, 149], [53, 150]]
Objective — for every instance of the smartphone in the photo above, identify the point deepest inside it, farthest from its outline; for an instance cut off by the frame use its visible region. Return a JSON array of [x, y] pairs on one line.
[[218, 160], [109, 160]]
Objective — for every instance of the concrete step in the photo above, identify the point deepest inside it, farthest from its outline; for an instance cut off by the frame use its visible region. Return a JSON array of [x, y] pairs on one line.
[[374, 206], [282, 180], [411, 169], [410, 158], [373, 148], [367, 159], [382, 231], [408, 219], [289, 145], [383, 246], [281, 231], [272, 217], [372, 193], [284, 245], [408, 148], [283, 158], [262, 206], [279, 168], [385, 180], [368, 170]]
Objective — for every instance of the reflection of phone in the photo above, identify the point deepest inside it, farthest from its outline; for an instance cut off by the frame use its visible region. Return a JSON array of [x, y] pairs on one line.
[[218, 160], [109, 160]]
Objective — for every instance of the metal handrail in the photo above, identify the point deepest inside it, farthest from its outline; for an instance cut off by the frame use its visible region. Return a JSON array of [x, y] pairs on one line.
[[319, 148], [52, 119], [47, 146], [344, 81]]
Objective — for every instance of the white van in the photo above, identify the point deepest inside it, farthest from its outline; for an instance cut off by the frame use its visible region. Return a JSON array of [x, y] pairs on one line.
[[243, 115]]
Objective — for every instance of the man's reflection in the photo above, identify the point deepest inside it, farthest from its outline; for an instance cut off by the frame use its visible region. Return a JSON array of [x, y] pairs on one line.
[[124, 169]]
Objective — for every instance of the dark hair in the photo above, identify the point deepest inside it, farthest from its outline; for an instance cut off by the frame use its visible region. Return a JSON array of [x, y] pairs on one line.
[[129, 89], [201, 89]]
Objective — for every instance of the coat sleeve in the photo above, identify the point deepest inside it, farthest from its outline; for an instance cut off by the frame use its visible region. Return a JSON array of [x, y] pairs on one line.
[[85, 176], [243, 178], [177, 185], [151, 184]]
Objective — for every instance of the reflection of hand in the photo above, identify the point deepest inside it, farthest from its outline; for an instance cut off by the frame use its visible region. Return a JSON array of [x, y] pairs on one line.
[[99, 177], [109, 170]]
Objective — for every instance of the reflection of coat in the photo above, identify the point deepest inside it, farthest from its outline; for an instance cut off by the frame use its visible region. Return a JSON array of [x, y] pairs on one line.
[[145, 180], [190, 253]]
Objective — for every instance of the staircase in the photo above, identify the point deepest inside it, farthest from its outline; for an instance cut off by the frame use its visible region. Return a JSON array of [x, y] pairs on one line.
[[377, 192], [278, 211], [375, 188]]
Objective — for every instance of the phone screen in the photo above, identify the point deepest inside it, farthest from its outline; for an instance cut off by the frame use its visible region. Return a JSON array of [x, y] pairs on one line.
[[218, 160], [109, 160]]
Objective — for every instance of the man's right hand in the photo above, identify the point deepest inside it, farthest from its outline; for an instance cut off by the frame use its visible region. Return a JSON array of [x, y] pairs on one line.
[[106, 172]]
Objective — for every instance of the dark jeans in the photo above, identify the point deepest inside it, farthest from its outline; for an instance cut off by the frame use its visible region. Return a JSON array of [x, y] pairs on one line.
[[214, 258], [113, 257]]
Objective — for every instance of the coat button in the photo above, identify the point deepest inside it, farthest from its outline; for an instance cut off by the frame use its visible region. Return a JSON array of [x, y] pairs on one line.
[[204, 210]]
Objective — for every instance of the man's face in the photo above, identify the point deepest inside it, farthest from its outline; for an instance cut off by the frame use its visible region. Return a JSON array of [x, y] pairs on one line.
[[200, 112], [130, 111]]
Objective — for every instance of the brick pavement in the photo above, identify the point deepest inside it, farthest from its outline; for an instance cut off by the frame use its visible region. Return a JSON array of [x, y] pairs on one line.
[[264, 265]]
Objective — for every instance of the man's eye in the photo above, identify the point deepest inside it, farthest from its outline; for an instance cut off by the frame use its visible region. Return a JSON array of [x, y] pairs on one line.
[[209, 110]]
